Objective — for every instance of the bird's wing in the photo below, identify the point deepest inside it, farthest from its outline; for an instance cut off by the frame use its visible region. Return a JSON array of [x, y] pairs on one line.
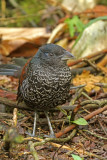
[[24, 72], [22, 77]]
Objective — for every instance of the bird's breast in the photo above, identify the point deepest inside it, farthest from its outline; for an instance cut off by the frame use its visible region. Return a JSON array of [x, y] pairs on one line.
[[46, 87]]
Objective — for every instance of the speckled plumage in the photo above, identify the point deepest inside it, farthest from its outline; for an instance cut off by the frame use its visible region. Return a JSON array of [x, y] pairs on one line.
[[45, 82]]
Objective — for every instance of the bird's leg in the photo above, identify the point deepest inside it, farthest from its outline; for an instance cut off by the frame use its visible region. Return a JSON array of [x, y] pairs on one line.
[[34, 126], [52, 135]]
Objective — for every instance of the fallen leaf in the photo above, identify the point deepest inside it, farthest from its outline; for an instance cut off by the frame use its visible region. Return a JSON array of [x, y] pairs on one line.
[[88, 79], [13, 38]]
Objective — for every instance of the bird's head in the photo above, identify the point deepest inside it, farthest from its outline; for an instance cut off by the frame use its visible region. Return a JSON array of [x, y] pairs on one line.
[[52, 53]]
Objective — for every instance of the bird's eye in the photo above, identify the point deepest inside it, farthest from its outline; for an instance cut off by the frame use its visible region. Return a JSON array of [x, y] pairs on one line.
[[51, 54]]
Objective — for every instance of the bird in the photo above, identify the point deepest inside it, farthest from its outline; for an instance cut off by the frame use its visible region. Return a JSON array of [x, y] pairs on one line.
[[45, 81]]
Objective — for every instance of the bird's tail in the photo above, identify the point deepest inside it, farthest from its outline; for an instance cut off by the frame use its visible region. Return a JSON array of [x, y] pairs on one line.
[[10, 70], [13, 69]]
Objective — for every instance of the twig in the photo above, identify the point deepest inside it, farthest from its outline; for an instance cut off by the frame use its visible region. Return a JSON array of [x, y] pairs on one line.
[[104, 85], [76, 96], [94, 155], [92, 64], [76, 87], [84, 109], [102, 127], [77, 70], [97, 102], [15, 117], [89, 106], [91, 56], [32, 150], [94, 134], [80, 131], [86, 95], [53, 157]]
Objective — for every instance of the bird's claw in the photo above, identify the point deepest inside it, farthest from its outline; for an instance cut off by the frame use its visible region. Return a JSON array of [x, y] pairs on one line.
[[50, 136], [30, 134]]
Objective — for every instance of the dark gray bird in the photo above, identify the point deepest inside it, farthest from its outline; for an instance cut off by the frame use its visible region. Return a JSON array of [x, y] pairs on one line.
[[45, 80]]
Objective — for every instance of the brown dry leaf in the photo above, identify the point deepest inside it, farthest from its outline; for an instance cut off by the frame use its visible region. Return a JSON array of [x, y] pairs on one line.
[[63, 43], [57, 32], [97, 11], [88, 79], [14, 38]]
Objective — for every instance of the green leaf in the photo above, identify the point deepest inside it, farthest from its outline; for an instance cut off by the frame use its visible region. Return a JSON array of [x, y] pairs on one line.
[[80, 121], [76, 157], [74, 24], [95, 20]]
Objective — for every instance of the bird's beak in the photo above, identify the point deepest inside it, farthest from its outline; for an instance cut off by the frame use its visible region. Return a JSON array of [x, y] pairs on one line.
[[67, 55]]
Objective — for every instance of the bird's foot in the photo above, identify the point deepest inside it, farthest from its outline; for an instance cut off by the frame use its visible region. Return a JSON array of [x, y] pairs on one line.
[[52, 135], [30, 134]]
